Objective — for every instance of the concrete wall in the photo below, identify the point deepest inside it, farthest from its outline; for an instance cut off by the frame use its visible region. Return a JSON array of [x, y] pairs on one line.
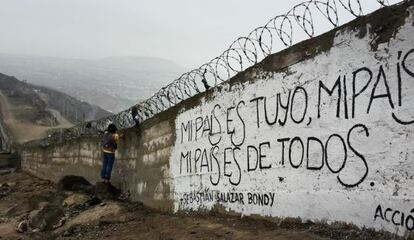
[[322, 131], [141, 167]]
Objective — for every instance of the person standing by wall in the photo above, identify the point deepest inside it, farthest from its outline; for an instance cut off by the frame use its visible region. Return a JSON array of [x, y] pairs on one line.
[[109, 145]]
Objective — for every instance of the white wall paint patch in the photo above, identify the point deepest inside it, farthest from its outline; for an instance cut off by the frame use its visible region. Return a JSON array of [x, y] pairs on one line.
[[331, 139]]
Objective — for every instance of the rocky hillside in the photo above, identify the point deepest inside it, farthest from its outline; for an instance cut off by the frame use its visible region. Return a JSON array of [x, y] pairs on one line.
[[113, 83], [29, 112], [45, 101]]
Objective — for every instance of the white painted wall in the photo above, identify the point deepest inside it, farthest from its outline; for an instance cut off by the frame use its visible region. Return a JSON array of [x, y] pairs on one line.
[[376, 144]]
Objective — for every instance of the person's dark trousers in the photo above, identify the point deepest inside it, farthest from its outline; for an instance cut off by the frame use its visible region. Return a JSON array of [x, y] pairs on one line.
[[108, 162]]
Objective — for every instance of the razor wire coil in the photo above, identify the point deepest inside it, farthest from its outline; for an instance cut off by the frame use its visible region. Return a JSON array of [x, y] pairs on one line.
[[241, 54]]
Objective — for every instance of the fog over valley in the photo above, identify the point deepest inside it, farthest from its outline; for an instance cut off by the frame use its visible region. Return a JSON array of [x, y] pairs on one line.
[[113, 83]]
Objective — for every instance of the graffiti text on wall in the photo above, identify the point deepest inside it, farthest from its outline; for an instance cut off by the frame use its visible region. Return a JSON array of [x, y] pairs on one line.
[[214, 196], [395, 217], [292, 107]]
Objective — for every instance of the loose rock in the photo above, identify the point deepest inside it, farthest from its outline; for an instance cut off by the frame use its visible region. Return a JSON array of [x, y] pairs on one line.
[[106, 191], [46, 218], [75, 200], [74, 183], [22, 226]]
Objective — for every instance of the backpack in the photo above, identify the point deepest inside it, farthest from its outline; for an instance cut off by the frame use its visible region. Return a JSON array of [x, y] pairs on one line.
[[107, 141]]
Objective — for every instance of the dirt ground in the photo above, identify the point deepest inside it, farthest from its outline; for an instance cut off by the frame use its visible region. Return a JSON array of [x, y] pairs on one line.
[[41, 210]]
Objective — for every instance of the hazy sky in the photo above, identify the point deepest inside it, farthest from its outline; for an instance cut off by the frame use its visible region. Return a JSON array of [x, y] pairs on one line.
[[189, 32]]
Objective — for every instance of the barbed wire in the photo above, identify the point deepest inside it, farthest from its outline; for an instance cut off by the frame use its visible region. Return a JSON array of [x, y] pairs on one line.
[[241, 54]]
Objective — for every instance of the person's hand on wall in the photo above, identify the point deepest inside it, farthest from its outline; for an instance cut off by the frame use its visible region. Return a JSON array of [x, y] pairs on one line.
[[121, 136]]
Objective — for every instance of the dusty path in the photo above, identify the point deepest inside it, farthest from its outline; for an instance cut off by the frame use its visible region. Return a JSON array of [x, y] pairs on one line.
[[63, 122], [23, 198], [4, 131], [23, 130], [4, 107]]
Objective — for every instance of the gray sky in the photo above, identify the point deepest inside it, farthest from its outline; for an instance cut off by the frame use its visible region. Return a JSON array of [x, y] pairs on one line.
[[189, 32]]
